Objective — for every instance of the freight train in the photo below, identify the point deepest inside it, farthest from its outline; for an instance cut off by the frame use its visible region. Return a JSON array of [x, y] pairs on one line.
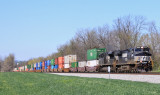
[[98, 60]]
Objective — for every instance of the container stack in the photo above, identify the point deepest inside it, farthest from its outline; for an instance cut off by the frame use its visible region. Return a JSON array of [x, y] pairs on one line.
[[22, 68], [17, 69], [60, 64], [68, 60], [25, 68], [82, 66], [52, 65], [48, 65], [37, 67], [92, 59], [74, 67], [28, 67], [40, 66], [56, 65], [43, 66], [34, 66]]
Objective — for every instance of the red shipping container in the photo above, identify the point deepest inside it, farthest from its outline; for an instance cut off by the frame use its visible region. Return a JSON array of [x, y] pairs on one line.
[[43, 63], [60, 66], [56, 61], [49, 67], [60, 60]]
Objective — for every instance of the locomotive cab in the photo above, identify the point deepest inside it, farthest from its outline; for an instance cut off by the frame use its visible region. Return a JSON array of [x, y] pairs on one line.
[[142, 55], [143, 58]]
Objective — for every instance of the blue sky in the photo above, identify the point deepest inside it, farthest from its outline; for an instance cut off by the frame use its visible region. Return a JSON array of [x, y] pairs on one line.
[[33, 28]]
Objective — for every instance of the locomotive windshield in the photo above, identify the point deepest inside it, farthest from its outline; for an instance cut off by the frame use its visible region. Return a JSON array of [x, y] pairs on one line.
[[141, 49]]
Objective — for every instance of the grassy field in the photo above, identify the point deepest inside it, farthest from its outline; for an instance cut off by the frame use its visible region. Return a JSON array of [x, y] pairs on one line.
[[15, 83], [156, 71]]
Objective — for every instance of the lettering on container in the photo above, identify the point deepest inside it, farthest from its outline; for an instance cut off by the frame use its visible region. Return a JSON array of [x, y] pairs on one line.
[[91, 54]]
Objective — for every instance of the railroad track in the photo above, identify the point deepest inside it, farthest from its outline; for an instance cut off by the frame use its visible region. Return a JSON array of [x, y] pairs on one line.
[[139, 73]]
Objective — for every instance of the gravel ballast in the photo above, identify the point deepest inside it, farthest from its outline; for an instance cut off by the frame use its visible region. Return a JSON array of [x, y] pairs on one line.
[[131, 77]]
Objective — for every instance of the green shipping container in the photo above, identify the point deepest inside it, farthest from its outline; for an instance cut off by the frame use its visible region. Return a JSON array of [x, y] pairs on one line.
[[93, 54], [52, 61], [17, 68], [74, 64], [28, 66]]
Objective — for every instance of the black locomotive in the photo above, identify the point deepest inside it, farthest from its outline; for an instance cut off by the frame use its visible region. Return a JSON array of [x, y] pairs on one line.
[[129, 60]]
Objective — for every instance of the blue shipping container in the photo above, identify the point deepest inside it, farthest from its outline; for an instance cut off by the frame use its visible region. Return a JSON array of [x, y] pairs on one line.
[[48, 63], [45, 67], [45, 63], [52, 66], [56, 66], [36, 65], [40, 64]]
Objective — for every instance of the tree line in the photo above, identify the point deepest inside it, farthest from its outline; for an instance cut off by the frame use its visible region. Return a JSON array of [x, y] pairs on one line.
[[125, 32]]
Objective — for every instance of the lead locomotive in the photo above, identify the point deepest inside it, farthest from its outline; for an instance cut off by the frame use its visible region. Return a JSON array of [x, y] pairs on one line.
[[130, 60]]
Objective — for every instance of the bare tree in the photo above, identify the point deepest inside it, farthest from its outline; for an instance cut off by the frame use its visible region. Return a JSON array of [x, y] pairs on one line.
[[8, 63], [155, 43], [104, 36], [128, 30]]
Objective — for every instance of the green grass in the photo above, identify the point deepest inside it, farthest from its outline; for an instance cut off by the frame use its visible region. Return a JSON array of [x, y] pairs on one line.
[[14, 83], [156, 71]]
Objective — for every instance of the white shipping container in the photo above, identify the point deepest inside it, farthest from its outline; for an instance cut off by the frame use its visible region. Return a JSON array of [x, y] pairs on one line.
[[66, 66], [39, 64], [82, 64], [70, 58], [92, 63], [19, 68], [25, 66], [22, 68], [35, 65], [26, 69], [15, 69], [66, 59]]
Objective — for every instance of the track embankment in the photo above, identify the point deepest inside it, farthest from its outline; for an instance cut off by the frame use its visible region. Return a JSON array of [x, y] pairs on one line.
[[140, 77]]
